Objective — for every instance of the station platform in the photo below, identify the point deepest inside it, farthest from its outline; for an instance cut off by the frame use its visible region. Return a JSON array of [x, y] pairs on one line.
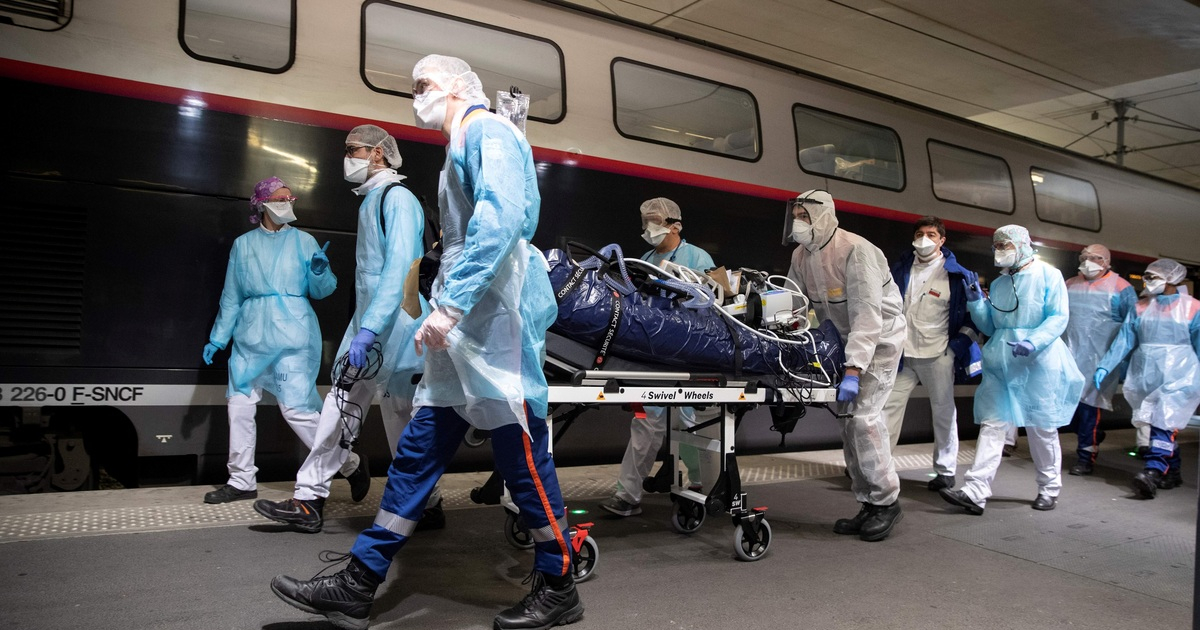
[[160, 558]]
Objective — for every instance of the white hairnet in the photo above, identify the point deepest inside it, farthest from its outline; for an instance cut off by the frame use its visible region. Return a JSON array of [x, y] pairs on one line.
[[372, 136], [1097, 249], [1169, 270], [661, 208], [452, 75], [1019, 237], [823, 216]]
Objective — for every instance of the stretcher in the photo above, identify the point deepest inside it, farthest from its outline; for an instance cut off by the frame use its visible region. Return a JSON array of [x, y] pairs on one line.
[[575, 390]]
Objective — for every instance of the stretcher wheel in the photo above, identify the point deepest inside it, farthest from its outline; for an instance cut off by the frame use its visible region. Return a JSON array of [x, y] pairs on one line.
[[748, 550], [475, 438], [516, 533], [586, 560], [688, 517]]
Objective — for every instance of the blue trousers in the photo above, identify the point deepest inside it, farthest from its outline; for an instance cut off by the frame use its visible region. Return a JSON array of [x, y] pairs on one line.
[[1087, 427], [1164, 452], [428, 443]]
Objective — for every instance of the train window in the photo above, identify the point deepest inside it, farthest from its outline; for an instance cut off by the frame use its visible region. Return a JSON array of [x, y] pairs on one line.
[[1065, 200], [667, 107], [846, 148], [395, 37], [43, 15], [258, 35], [970, 177]]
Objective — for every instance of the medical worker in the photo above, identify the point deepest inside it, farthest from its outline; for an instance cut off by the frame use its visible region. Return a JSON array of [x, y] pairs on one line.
[[391, 225], [273, 271], [662, 222], [1099, 299], [846, 279], [940, 337], [484, 345], [1163, 381], [1029, 377]]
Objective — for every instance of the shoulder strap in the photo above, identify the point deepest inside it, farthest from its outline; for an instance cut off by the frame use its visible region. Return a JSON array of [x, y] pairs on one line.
[[382, 198]]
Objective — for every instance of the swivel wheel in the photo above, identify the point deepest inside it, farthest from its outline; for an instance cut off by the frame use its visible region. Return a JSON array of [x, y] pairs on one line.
[[586, 559], [751, 547], [475, 438], [688, 516], [516, 533]]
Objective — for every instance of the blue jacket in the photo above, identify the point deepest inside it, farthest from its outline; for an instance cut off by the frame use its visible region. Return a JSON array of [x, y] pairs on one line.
[[960, 277]]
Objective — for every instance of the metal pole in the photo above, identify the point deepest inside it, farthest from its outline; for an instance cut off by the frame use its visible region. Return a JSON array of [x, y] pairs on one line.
[[1122, 106]]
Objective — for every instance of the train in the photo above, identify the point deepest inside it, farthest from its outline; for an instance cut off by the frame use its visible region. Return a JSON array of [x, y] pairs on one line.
[[137, 129]]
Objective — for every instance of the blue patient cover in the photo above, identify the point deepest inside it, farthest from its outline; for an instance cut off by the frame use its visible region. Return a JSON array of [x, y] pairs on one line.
[[658, 329]]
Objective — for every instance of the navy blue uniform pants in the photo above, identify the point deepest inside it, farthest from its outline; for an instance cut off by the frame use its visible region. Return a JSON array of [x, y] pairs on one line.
[[1087, 427], [1164, 452], [427, 445]]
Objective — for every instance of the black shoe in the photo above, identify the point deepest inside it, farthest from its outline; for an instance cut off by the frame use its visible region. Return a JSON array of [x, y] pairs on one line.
[[432, 518], [1173, 479], [941, 481], [853, 526], [303, 515], [344, 597], [960, 498], [1142, 452], [1045, 502], [227, 493], [879, 525], [1145, 483], [1008, 450], [1081, 468], [544, 607], [360, 480]]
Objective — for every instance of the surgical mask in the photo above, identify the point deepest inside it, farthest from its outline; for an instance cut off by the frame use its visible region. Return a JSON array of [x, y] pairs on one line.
[[924, 246], [355, 170], [1006, 258], [281, 211], [1155, 287], [1091, 270], [430, 109], [655, 234], [802, 232]]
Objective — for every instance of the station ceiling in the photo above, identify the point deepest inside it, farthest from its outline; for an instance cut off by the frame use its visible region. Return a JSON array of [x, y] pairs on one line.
[[1058, 71]]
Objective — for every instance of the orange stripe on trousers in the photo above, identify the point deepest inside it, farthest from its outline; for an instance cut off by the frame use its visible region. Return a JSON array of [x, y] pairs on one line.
[[541, 491]]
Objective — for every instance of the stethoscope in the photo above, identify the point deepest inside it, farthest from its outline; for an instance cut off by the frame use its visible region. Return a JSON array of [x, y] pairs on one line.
[[1012, 280]]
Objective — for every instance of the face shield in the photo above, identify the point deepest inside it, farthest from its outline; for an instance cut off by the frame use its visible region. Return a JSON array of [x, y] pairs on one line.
[[798, 211]]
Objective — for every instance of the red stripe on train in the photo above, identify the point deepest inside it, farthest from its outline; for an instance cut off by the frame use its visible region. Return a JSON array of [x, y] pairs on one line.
[[61, 77]]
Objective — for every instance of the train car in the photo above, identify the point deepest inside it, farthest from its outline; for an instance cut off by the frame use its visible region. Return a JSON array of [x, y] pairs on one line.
[[137, 129]]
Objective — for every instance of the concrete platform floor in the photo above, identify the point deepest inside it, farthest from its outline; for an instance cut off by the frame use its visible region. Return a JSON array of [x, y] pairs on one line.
[[159, 558]]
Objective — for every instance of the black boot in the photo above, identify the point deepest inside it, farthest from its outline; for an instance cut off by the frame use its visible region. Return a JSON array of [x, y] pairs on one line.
[[344, 597], [303, 515], [547, 605], [1082, 467], [853, 526], [432, 518], [879, 525], [360, 480], [1145, 483], [1173, 479]]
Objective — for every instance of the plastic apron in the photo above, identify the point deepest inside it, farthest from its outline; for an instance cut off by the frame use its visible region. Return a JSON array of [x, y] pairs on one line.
[[1163, 384], [1097, 309], [494, 363]]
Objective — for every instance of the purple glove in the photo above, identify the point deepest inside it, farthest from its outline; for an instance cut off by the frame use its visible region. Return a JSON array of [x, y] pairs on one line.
[[974, 291], [1021, 348], [359, 346], [848, 390]]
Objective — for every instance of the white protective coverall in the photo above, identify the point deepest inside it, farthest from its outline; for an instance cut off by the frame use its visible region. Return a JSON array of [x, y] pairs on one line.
[[848, 282]]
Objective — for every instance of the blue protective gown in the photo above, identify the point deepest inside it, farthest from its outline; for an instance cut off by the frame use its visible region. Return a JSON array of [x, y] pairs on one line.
[[1097, 309], [265, 309], [383, 255], [1163, 382], [1040, 390], [686, 255], [490, 203]]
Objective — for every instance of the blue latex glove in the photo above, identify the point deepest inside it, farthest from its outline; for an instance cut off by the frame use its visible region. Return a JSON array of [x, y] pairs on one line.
[[1021, 348], [210, 349], [359, 346], [320, 262], [1099, 376], [974, 291], [848, 390]]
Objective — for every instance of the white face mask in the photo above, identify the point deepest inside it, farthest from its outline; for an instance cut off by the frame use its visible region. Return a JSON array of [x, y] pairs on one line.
[[281, 211], [802, 232], [355, 169], [1091, 270], [924, 246], [655, 234], [430, 109], [1006, 258], [1155, 287]]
